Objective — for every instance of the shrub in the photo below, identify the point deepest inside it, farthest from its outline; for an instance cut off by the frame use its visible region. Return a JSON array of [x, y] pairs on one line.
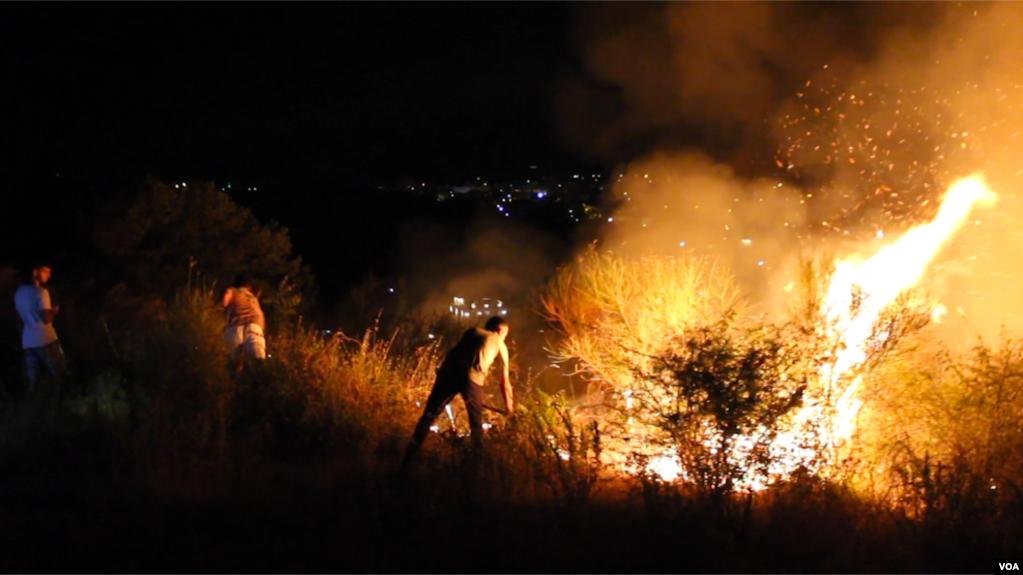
[[615, 312], [719, 398]]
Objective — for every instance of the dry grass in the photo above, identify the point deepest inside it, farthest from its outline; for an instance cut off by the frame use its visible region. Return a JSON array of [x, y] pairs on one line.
[[614, 311], [363, 386], [941, 428]]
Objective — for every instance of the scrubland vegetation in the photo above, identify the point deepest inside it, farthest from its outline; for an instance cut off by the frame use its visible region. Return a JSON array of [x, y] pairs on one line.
[[167, 455]]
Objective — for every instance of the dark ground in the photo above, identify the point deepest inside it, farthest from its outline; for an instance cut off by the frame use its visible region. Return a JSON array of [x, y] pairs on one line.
[[68, 505]]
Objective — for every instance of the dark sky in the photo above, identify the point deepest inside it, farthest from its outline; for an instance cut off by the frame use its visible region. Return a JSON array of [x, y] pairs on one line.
[[278, 93]]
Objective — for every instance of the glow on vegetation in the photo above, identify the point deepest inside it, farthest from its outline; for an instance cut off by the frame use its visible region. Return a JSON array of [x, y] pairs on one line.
[[860, 289]]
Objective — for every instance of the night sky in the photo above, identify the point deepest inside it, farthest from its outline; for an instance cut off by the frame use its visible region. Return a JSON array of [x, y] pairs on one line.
[[312, 104], [315, 103], [280, 94]]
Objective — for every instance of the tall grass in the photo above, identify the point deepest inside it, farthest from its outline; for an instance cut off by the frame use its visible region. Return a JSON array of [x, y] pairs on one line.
[[943, 441], [615, 311], [362, 391], [940, 463], [188, 413]]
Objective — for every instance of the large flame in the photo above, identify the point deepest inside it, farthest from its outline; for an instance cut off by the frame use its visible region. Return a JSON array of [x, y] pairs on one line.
[[878, 280]]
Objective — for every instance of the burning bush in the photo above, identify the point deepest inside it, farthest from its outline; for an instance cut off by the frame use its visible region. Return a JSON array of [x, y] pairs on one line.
[[718, 397], [946, 429], [615, 313], [694, 385]]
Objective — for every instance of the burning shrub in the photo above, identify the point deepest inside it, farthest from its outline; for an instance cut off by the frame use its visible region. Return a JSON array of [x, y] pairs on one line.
[[614, 313], [699, 387], [718, 397], [946, 431]]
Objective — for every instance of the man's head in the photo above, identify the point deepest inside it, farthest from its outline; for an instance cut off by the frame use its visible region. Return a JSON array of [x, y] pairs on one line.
[[498, 325], [243, 280], [41, 272]]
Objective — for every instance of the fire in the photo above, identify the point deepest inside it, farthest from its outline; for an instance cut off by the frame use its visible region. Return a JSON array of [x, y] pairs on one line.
[[665, 467], [859, 291], [880, 279]]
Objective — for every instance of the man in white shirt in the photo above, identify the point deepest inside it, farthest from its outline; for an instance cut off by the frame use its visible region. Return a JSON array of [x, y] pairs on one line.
[[38, 337], [463, 372]]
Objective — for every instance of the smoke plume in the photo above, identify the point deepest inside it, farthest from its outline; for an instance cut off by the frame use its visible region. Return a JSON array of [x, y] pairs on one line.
[[710, 73], [760, 132]]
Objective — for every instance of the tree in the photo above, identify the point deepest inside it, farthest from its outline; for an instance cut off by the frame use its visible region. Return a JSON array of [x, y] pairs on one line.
[[159, 237]]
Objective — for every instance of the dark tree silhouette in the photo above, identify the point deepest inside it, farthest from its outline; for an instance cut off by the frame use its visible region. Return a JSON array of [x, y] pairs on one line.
[[161, 236]]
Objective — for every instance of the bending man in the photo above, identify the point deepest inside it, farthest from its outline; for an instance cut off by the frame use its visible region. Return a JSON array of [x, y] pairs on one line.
[[245, 320], [463, 372]]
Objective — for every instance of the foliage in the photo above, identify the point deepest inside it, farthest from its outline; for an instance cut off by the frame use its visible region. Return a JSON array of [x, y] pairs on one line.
[[566, 449], [815, 331], [946, 429], [344, 384], [105, 399], [156, 236], [615, 312], [720, 396]]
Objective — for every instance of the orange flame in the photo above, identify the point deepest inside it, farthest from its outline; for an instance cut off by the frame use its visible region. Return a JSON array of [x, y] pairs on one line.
[[881, 278], [878, 280]]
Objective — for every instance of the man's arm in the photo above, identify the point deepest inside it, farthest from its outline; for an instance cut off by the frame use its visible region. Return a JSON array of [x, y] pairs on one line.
[[506, 387], [228, 296], [48, 312]]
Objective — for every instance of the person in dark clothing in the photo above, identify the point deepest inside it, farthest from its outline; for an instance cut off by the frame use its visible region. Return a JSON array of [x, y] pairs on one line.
[[463, 372]]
